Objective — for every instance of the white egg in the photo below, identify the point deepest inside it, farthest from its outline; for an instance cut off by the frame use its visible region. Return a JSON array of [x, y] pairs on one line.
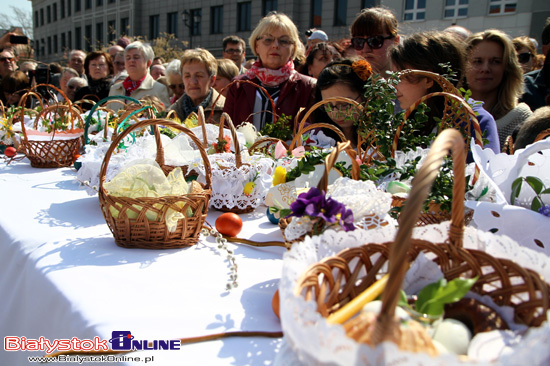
[[453, 335], [376, 305]]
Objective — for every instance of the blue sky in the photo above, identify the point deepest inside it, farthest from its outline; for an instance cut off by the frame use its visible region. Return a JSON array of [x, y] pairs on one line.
[[5, 6]]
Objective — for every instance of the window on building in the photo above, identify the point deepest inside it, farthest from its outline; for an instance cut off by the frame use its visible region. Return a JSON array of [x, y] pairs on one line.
[[42, 47], [99, 3], [153, 26], [172, 23], [49, 45], [456, 8], [269, 5], [341, 12], [216, 19], [49, 14], [41, 16], [36, 19], [36, 47], [196, 21], [244, 14], [69, 39], [112, 1], [316, 13], [87, 4], [55, 43], [54, 10], [99, 34], [365, 4], [62, 7], [63, 42], [88, 38], [415, 10], [502, 7], [124, 26], [68, 8], [111, 30], [77, 5]]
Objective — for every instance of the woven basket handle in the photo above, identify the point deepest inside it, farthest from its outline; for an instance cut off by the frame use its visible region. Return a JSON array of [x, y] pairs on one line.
[[264, 140], [331, 159], [296, 141], [449, 139], [225, 118], [542, 135], [155, 123], [238, 81], [202, 122]]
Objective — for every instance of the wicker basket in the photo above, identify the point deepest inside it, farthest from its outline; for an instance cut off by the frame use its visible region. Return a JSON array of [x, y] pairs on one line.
[[140, 232], [56, 152], [335, 281], [330, 160]]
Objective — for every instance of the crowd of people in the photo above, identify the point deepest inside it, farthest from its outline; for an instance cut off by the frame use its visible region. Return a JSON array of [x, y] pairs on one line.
[[507, 79]]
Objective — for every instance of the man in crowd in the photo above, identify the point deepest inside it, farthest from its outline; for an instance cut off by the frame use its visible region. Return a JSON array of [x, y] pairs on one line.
[[8, 61], [537, 89], [76, 61], [234, 49]]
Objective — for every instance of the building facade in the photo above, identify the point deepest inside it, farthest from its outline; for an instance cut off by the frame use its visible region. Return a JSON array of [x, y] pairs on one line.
[[62, 25]]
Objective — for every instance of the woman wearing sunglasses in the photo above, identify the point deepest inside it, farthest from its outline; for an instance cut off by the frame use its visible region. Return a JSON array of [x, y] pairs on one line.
[[429, 51], [527, 53], [373, 33], [494, 76], [175, 81], [275, 43]]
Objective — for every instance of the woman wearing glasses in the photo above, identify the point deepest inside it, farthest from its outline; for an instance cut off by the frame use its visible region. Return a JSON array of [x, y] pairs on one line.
[[99, 70], [274, 42], [527, 53], [373, 33], [175, 81], [494, 76]]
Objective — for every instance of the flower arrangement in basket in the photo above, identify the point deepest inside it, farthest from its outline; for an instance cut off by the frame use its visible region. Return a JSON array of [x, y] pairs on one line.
[[152, 221], [328, 279], [55, 137], [345, 204], [240, 181]]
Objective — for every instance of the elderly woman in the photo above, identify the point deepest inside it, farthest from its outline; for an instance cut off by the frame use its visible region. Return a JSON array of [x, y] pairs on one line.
[[274, 42], [373, 33], [320, 55], [494, 76], [175, 81], [99, 71], [198, 69], [139, 83]]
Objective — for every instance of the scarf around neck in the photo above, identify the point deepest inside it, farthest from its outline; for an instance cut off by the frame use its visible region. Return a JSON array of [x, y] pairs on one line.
[[129, 85], [189, 107], [269, 77]]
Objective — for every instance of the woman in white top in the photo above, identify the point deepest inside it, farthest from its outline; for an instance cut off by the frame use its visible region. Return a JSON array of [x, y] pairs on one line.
[[495, 77]]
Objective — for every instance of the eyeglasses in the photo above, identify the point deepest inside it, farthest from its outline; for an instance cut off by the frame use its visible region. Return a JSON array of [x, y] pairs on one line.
[[283, 41], [6, 59], [237, 51], [374, 42], [119, 63], [524, 57], [174, 86], [341, 109]]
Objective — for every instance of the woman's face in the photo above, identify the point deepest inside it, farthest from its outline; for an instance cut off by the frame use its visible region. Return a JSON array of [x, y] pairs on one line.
[[12, 98], [197, 81], [343, 114], [485, 68], [175, 83], [274, 49], [376, 53], [135, 63], [528, 60], [98, 68], [321, 59], [220, 83], [411, 88]]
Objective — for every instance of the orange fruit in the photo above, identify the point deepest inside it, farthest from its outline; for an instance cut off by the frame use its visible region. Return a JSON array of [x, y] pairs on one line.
[[10, 152], [229, 224]]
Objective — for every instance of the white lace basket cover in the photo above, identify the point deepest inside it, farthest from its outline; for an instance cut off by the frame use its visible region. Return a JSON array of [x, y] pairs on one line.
[[228, 181], [498, 171], [310, 340]]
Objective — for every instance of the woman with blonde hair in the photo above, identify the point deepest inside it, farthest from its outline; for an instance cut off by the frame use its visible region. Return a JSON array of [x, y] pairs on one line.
[[198, 70], [275, 42], [527, 53], [494, 76]]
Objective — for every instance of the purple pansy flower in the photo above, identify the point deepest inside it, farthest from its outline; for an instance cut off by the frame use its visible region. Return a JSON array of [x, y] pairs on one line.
[[545, 210]]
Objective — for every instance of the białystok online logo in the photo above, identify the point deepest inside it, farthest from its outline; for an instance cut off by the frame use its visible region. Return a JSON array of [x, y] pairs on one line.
[[120, 341]]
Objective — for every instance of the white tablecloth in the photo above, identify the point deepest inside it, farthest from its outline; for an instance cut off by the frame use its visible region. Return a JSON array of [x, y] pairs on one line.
[[62, 276]]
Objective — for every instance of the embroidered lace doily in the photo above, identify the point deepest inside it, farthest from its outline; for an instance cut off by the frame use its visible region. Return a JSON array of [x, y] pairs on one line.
[[498, 171], [228, 181], [309, 339]]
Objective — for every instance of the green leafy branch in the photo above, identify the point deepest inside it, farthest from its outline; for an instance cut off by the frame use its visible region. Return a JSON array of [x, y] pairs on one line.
[[536, 185]]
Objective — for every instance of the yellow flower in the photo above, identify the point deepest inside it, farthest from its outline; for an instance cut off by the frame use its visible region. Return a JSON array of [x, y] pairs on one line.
[[279, 176], [248, 188], [191, 121]]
